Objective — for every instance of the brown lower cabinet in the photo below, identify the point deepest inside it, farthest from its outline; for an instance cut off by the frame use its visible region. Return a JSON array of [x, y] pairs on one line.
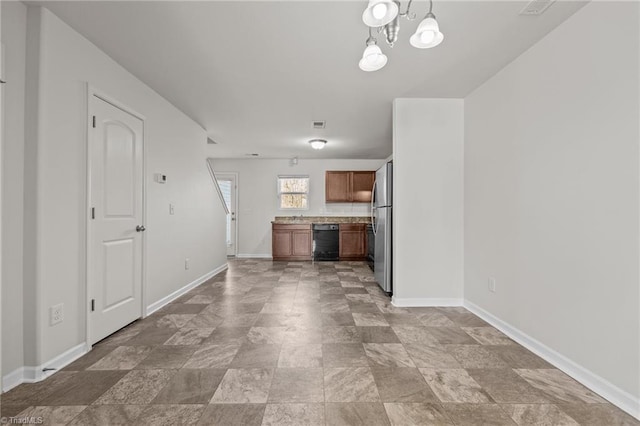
[[291, 242], [353, 241]]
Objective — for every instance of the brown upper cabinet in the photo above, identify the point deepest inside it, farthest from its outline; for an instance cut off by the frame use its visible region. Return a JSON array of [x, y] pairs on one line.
[[349, 186]]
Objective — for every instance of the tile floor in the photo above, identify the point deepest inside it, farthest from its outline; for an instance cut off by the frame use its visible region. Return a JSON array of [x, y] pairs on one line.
[[296, 343]]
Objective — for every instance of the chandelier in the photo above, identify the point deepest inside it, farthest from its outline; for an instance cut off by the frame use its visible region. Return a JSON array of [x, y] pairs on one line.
[[384, 15]]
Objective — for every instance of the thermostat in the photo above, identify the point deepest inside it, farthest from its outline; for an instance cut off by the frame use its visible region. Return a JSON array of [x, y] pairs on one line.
[[160, 178]]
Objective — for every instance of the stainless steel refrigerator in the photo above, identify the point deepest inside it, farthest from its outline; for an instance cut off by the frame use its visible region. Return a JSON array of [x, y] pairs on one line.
[[381, 208]]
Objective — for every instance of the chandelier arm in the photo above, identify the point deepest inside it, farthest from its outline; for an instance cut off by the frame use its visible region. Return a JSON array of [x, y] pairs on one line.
[[407, 14]]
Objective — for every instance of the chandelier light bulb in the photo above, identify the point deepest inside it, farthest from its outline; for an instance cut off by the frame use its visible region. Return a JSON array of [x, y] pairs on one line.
[[427, 37], [379, 13], [379, 10], [428, 33], [372, 59]]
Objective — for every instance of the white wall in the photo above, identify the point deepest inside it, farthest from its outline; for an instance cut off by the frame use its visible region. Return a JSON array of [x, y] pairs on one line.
[[551, 192], [63, 62], [258, 199], [427, 201], [14, 27]]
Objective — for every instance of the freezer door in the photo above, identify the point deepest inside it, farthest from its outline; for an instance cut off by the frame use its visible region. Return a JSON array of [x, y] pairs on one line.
[[382, 259], [381, 196]]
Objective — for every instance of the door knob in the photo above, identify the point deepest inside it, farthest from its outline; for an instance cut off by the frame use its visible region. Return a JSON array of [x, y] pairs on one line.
[[140, 228]]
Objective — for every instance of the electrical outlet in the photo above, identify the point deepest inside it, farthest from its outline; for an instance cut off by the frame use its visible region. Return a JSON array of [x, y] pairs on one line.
[[186, 263], [492, 285], [56, 314], [172, 209]]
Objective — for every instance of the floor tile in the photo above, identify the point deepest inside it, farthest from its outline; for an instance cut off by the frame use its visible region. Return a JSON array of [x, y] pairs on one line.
[[84, 387], [409, 414], [515, 356], [152, 336], [478, 415], [308, 342], [378, 335], [227, 335], [204, 320], [122, 358], [451, 336], [349, 385], [506, 386], [213, 356], [387, 355], [166, 357], [402, 385], [173, 320], [94, 355], [349, 334], [356, 414], [597, 414], [540, 414], [60, 415], [337, 319], [455, 385], [244, 386], [266, 335], [297, 385], [370, 320], [344, 355], [137, 387], [108, 415], [555, 384], [170, 415], [488, 336], [294, 415], [475, 356], [256, 356], [306, 355], [190, 387], [408, 334], [232, 414]]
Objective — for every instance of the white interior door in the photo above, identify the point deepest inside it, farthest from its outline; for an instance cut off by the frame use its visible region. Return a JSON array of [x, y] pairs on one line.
[[228, 187], [115, 224]]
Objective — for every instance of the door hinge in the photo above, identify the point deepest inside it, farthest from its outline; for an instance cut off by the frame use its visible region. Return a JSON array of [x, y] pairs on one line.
[[93, 305], [94, 121], [93, 212]]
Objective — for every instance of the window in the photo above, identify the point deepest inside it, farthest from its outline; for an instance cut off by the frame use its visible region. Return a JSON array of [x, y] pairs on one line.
[[293, 192]]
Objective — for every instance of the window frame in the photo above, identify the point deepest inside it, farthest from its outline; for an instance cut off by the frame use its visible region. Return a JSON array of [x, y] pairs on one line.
[[280, 193]]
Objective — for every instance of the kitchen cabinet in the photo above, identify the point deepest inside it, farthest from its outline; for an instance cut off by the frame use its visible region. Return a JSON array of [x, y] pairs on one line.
[[349, 186], [353, 241], [291, 242]]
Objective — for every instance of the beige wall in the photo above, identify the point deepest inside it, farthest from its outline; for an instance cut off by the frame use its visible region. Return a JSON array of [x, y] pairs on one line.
[[60, 63], [551, 193], [427, 201], [14, 27]]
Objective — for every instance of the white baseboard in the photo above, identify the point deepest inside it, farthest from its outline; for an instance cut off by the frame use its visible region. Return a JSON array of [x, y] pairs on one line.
[[29, 374], [602, 387], [424, 302], [253, 256], [173, 296]]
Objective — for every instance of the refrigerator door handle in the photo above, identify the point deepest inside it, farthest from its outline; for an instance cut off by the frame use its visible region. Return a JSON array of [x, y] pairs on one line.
[[373, 219]]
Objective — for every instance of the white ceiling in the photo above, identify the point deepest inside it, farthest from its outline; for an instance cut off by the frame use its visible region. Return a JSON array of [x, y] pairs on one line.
[[255, 74]]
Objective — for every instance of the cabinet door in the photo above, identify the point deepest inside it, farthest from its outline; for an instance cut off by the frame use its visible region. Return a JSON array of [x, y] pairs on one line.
[[281, 243], [352, 241], [337, 187], [362, 184], [301, 241]]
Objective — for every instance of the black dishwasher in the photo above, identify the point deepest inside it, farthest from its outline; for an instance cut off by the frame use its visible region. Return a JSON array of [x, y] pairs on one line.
[[326, 241]]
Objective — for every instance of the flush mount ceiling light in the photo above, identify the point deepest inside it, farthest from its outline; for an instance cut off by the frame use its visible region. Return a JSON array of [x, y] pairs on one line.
[[385, 16], [317, 143]]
